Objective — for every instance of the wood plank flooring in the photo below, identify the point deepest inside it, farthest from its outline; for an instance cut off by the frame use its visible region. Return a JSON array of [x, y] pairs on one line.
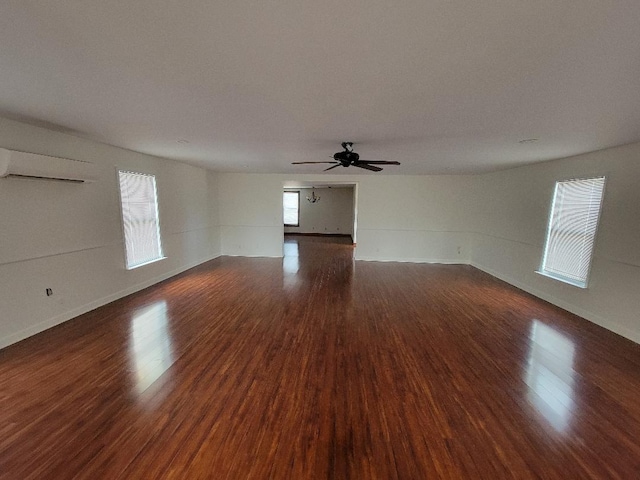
[[318, 367]]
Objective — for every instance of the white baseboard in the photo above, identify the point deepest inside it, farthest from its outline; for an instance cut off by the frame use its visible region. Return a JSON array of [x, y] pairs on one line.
[[75, 312], [445, 261], [251, 256], [63, 317], [581, 312]]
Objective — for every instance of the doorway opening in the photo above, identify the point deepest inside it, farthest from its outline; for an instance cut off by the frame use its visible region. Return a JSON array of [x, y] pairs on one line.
[[324, 210]]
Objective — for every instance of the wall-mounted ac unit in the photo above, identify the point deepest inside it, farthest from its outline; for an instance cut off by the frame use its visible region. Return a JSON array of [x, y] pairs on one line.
[[32, 165]]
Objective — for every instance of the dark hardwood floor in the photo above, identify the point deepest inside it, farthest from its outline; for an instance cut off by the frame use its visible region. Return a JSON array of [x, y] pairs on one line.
[[316, 366]]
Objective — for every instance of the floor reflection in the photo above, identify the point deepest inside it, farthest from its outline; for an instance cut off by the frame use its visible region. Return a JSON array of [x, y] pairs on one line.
[[151, 344], [550, 375], [312, 260], [291, 259]]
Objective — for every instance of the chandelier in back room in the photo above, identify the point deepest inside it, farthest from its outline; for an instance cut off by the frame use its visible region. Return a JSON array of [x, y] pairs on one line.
[[313, 198]]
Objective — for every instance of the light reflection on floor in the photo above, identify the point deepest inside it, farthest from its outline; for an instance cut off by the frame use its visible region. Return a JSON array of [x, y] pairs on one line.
[[151, 345], [291, 259], [550, 375]]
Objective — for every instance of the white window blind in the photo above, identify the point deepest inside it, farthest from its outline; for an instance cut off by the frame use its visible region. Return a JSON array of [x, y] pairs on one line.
[[572, 230], [291, 207], [140, 218]]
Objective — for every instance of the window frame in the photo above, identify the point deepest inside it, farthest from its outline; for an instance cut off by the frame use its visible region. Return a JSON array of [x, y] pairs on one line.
[[552, 214], [297, 224], [158, 236]]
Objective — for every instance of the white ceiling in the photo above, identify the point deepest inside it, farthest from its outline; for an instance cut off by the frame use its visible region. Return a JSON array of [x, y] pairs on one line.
[[443, 86]]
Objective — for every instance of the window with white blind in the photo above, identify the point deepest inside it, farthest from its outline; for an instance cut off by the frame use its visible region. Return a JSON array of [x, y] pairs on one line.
[[291, 209], [572, 230], [141, 226]]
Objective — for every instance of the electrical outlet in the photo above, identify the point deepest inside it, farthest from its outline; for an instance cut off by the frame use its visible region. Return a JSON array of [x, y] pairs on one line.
[[49, 292]]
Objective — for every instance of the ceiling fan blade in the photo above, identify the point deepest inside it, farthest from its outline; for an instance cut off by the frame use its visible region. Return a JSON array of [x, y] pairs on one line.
[[379, 162], [301, 163], [336, 165], [367, 167]]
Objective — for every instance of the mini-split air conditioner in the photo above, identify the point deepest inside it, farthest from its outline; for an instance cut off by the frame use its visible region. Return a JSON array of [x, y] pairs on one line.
[[32, 165]]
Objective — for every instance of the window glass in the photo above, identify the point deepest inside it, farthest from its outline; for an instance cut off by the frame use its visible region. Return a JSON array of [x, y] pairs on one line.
[[572, 230], [141, 226], [291, 206]]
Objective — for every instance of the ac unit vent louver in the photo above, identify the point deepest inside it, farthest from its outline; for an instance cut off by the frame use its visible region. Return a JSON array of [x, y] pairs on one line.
[[32, 165]]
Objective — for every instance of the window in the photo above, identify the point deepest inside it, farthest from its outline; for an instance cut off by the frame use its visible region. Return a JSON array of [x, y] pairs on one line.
[[572, 229], [291, 207], [140, 218]]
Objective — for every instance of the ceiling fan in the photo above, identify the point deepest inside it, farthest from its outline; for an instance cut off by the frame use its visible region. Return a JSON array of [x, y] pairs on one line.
[[348, 158]]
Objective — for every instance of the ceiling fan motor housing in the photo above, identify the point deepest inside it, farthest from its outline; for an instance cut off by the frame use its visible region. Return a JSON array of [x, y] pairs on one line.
[[346, 158]]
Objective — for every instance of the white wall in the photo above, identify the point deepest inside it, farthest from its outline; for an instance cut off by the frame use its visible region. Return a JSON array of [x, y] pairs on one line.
[[333, 214], [250, 215], [509, 226], [68, 237], [413, 218], [497, 220], [400, 218]]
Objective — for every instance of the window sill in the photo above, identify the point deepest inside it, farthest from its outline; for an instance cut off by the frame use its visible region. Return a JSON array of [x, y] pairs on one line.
[[562, 279], [146, 263]]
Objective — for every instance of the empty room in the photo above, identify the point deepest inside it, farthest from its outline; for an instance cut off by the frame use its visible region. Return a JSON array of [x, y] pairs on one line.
[[319, 240]]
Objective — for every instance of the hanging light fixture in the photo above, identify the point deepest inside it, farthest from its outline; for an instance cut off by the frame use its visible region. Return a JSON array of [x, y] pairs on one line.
[[313, 198]]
